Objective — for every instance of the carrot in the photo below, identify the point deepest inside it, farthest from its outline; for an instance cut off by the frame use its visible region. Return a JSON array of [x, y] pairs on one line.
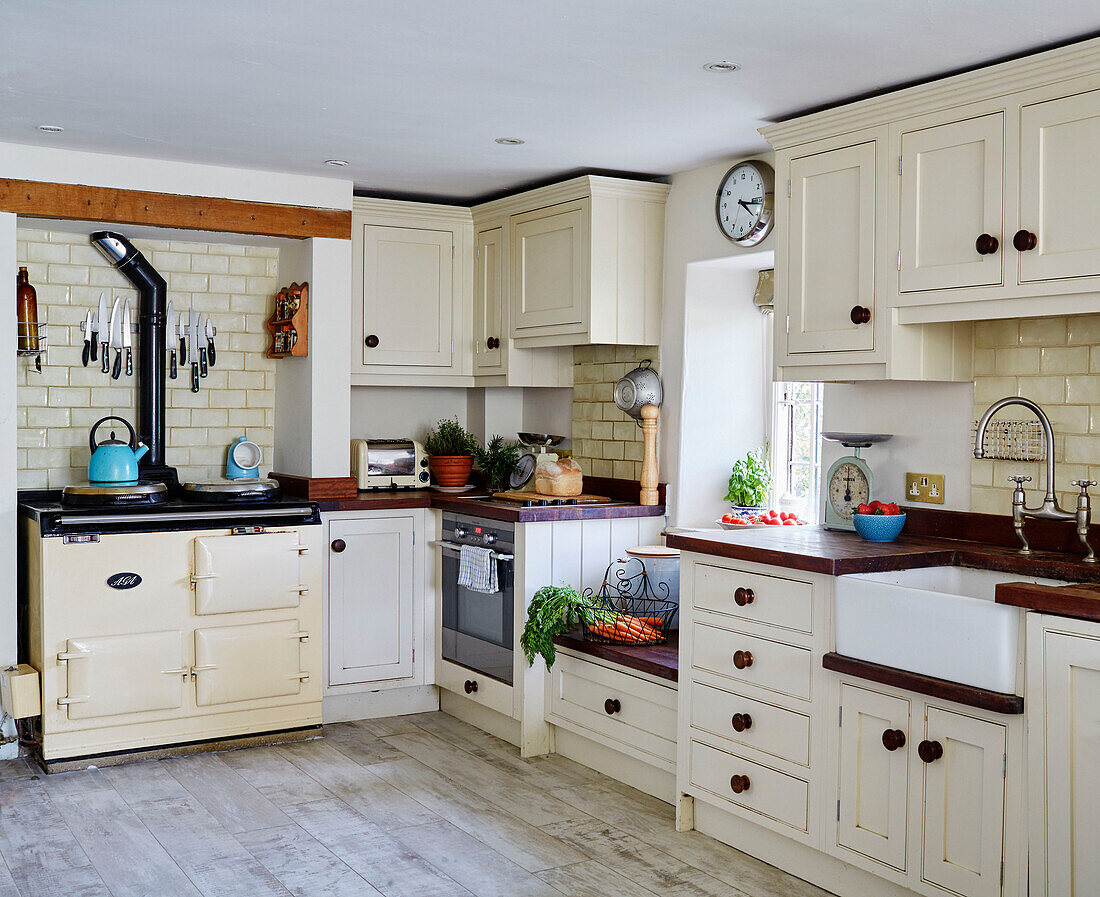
[[655, 622]]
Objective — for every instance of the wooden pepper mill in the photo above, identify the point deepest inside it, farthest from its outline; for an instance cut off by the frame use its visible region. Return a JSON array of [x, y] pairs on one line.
[[649, 455]]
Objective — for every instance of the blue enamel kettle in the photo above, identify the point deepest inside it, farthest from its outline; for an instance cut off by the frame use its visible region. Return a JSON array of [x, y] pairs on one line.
[[114, 462]]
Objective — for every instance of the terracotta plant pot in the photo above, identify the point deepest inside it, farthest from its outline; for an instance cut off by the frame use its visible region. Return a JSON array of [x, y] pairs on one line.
[[451, 470]]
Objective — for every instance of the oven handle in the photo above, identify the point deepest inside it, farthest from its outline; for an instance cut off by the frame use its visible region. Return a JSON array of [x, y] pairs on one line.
[[454, 546]]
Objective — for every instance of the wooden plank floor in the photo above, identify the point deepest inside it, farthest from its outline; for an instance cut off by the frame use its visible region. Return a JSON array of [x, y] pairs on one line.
[[413, 806]]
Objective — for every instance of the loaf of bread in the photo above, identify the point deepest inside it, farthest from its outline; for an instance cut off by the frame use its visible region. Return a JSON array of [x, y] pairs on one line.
[[561, 477]]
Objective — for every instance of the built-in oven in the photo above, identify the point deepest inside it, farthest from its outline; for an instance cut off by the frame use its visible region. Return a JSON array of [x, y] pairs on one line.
[[477, 627]]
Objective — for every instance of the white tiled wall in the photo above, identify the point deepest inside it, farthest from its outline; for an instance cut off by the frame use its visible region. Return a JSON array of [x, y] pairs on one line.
[[233, 284]]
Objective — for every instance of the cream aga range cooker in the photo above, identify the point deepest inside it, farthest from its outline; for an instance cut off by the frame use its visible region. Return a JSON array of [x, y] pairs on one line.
[[179, 623]]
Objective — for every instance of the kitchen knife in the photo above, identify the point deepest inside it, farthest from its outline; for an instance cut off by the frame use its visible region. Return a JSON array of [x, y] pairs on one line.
[[127, 341], [210, 351], [201, 329], [172, 339], [104, 331], [89, 340], [116, 340], [193, 348], [181, 332]]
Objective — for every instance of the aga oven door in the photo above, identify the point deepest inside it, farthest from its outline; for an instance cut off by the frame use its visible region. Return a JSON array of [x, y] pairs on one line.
[[478, 628], [247, 572], [248, 662]]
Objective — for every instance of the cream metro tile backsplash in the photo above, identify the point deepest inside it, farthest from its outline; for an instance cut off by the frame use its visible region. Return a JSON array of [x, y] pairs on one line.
[[56, 408], [1056, 362], [606, 442]]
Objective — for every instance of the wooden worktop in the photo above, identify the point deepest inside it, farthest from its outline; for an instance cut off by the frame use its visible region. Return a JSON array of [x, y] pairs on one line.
[[662, 661]]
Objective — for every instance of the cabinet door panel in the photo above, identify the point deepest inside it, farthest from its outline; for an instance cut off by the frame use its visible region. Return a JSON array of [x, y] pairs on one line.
[[550, 266], [115, 674], [488, 301], [370, 634], [964, 804], [1059, 180], [831, 253], [874, 782], [407, 295], [249, 662], [1071, 669], [951, 191]]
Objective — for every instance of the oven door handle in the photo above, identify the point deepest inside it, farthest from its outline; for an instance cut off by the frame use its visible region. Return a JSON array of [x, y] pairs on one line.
[[454, 546]]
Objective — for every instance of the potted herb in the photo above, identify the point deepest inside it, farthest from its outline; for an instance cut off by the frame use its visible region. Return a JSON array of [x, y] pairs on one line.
[[750, 482], [498, 461], [557, 609], [450, 453]]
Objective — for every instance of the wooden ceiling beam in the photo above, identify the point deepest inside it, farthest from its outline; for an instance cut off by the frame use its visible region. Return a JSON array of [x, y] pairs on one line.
[[79, 202]]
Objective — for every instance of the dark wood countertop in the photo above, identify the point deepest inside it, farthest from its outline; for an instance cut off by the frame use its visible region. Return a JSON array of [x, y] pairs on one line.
[[662, 661], [494, 510], [1081, 600]]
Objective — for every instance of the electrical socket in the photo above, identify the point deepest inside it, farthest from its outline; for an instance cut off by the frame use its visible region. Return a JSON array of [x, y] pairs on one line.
[[925, 487]]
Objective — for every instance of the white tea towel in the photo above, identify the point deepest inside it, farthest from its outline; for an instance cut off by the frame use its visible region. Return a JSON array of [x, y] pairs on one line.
[[477, 570]]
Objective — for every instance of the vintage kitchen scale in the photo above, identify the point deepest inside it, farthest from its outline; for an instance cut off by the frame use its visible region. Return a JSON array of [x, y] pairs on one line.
[[849, 482]]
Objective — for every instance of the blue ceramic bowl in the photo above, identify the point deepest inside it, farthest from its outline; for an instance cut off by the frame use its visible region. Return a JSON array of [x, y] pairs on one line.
[[879, 527]]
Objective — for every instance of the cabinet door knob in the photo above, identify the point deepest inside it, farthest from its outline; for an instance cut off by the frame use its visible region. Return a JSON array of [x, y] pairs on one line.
[[739, 784], [892, 739], [470, 686], [339, 545], [930, 751], [987, 244], [860, 314], [742, 659], [743, 596], [741, 722], [612, 706], [493, 342], [1025, 240], [371, 341]]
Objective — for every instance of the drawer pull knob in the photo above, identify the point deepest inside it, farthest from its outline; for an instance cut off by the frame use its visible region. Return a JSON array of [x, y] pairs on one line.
[[742, 659], [892, 739], [1024, 240], [987, 244], [930, 751], [739, 784], [612, 706], [339, 545], [470, 686], [743, 596], [741, 722], [372, 341], [860, 314]]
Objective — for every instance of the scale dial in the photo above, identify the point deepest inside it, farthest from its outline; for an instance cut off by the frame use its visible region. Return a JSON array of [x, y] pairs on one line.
[[849, 487]]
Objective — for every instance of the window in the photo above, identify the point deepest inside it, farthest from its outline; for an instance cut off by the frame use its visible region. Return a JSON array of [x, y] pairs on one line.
[[796, 448]]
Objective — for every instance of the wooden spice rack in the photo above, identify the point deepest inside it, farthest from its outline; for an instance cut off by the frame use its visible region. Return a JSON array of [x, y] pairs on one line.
[[289, 323]]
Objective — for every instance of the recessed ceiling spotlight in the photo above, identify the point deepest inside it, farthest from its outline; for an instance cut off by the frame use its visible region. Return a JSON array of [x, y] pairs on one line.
[[336, 163], [509, 141], [722, 67], [51, 129]]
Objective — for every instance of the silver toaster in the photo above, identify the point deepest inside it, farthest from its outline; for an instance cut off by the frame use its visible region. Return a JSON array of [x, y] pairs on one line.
[[389, 464]]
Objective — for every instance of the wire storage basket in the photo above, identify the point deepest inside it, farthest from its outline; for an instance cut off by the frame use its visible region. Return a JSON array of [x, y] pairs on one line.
[[642, 615]]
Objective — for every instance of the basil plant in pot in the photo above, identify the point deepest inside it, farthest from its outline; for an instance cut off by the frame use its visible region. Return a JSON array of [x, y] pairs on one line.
[[750, 483], [450, 453]]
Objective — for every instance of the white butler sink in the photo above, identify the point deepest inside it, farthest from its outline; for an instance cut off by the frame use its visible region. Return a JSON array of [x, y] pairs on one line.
[[939, 621]]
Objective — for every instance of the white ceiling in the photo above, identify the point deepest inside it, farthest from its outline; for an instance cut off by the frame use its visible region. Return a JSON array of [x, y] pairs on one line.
[[413, 93]]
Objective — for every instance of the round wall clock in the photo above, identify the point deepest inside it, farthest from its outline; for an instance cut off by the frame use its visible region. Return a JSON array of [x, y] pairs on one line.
[[744, 205]]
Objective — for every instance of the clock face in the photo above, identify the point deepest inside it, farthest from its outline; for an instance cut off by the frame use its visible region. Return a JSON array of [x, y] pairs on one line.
[[743, 205], [848, 489]]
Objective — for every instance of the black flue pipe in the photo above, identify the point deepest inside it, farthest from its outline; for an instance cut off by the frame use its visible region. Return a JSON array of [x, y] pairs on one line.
[[152, 349]]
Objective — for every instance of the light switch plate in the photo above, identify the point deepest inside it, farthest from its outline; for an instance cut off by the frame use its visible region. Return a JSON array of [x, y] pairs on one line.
[[925, 487]]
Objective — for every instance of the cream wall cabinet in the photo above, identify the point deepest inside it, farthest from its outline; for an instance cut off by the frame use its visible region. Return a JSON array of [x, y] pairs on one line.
[[412, 293], [549, 261], [489, 336], [1063, 689]]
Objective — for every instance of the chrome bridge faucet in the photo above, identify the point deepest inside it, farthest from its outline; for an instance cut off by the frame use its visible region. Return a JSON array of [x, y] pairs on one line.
[[1049, 509]]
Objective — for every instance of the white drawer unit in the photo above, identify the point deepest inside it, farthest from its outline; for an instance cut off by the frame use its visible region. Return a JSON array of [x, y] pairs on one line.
[[243, 573], [785, 603], [116, 674], [756, 724], [776, 666], [250, 662], [751, 786], [614, 707]]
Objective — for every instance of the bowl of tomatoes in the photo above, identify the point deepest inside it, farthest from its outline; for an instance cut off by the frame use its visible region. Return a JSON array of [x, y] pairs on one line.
[[879, 521], [770, 517]]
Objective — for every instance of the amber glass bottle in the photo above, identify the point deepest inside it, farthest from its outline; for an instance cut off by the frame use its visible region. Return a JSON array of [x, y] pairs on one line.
[[26, 307]]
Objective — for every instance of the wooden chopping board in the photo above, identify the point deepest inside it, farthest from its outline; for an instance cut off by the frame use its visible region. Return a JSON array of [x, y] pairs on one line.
[[582, 499]]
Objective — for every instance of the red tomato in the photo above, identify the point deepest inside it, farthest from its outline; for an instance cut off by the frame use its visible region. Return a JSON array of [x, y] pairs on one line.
[[865, 509], [737, 521], [773, 513], [790, 522], [773, 521], [892, 508], [783, 515], [876, 506]]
